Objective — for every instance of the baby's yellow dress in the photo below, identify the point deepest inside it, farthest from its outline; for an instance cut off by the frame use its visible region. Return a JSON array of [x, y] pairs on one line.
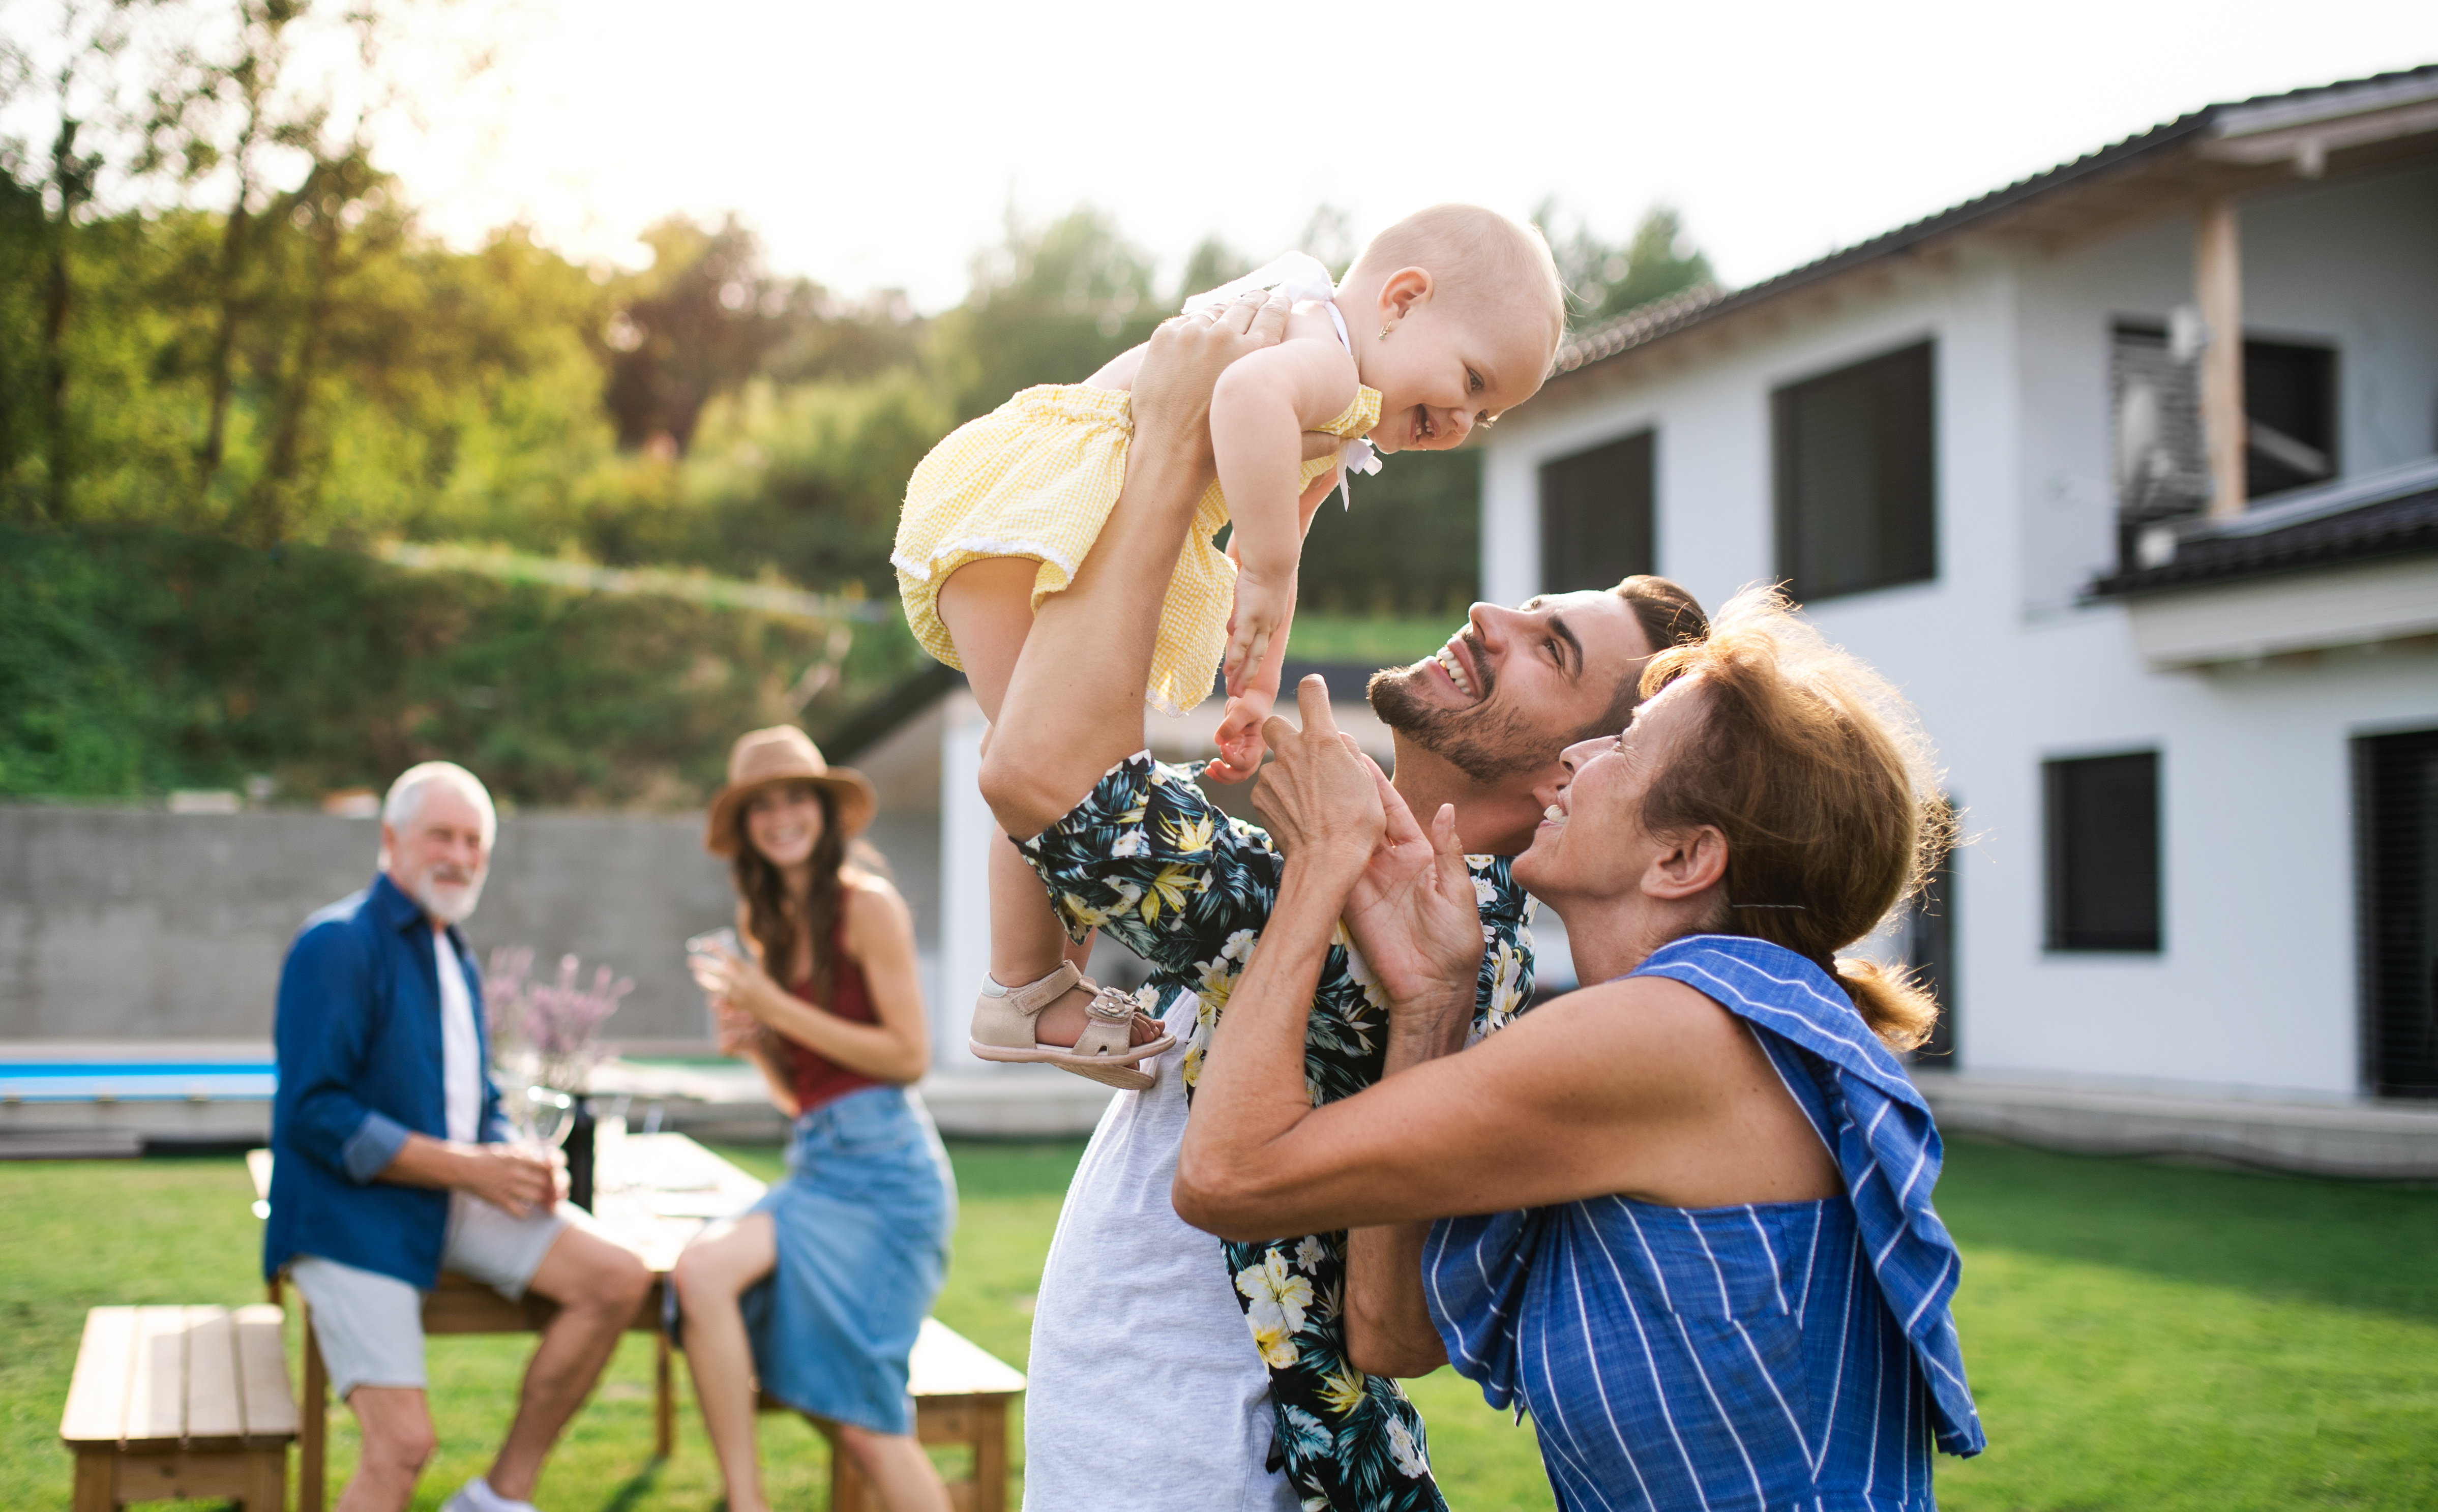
[[1037, 479]]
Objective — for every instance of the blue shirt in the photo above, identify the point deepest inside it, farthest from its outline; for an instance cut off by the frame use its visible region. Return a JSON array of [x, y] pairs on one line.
[[358, 1039], [1761, 1356]]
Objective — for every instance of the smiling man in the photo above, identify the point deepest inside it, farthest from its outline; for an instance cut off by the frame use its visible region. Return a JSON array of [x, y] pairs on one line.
[[390, 1162], [1169, 1369]]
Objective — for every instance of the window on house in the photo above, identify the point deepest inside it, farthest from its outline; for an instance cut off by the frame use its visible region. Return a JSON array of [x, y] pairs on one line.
[[1857, 506], [1595, 515], [1926, 945], [2289, 403], [2396, 798], [2103, 852], [2289, 397]]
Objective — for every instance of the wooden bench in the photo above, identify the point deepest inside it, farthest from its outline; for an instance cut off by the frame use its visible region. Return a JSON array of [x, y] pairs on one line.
[[961, 1395], [180, 1402]]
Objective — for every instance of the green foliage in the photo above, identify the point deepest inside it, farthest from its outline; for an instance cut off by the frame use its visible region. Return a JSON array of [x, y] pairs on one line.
[[1046, 307], [136, 660], [1604, 280]]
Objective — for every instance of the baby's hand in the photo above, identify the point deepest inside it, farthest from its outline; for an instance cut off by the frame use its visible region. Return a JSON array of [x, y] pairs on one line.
[[1261, 605], [1239, 737]]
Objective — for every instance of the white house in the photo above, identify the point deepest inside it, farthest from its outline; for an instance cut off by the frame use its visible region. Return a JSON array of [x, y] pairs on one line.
[[2128, 474]]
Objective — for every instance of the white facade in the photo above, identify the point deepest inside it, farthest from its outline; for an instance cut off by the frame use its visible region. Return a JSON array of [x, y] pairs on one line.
[[2254, 992]]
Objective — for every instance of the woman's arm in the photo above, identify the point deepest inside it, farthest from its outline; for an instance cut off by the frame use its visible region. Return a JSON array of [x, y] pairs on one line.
[[1642, 1087], [879, 935]]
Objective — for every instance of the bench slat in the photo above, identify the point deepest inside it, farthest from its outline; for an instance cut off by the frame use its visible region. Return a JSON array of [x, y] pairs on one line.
[[98, 1392], [946, 1363], [215, 1394], [262, 1368], [156, 1395]]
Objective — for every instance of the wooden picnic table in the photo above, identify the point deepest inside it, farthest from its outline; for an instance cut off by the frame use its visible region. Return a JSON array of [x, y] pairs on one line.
[[653, 1193]]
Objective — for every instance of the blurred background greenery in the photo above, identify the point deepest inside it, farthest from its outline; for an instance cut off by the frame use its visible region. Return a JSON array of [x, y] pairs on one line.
[[232, 367]]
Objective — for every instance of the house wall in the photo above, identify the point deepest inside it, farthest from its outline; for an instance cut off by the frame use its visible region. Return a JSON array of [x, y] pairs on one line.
[[2254, 991]]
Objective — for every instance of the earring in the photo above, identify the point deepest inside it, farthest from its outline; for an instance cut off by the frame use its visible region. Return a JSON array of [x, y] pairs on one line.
[[1384, 333]]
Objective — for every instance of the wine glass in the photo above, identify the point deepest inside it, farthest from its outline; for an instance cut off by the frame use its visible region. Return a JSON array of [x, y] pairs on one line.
[[542, 1117]]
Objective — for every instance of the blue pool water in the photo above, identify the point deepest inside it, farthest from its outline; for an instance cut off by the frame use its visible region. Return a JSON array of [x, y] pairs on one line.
[[137, 1081]]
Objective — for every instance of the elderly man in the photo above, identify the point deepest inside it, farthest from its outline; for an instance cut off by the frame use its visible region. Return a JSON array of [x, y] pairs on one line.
[[391, 1164], [1168, 1369]]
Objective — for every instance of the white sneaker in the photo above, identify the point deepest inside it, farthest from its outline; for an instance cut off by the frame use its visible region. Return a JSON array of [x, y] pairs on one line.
[[477, 1496]]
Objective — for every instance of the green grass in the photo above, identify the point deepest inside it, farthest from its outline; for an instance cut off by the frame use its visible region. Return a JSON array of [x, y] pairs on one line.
[[1364, 639], [2139, 1337]]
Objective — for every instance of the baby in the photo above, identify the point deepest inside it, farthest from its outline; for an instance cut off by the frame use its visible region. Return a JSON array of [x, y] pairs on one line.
[[1449, 317]]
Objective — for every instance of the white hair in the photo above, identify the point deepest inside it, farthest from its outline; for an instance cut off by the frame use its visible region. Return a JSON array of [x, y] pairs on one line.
[[405, 798]]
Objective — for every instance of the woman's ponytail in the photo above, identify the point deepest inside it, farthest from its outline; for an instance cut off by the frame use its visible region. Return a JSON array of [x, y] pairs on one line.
[[1891, 1000]]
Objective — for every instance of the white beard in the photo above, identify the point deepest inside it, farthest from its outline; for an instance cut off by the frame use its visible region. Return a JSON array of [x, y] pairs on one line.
[[449, 903]]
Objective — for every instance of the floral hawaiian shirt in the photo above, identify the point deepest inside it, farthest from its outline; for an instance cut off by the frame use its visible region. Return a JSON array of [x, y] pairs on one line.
[[1148, 858]]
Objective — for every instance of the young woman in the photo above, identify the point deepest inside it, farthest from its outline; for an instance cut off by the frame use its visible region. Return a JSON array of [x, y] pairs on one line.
[[1684, 1213], [821, 1289]]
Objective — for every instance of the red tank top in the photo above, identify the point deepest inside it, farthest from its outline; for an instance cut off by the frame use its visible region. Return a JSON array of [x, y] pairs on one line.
[[817, 1078]]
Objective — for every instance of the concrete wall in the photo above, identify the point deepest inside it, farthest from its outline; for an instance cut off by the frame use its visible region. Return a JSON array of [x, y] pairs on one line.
[[119, 926], [2254, 991]]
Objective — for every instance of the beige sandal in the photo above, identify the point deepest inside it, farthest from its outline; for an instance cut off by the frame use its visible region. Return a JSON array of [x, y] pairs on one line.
[[1003, 1025]]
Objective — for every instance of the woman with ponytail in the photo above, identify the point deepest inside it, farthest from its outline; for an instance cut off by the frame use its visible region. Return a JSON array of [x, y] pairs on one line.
[[817, 1292], [1683, 1215]]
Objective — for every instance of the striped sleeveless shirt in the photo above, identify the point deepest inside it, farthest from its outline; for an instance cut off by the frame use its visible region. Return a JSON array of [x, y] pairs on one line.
[[1772, 1355]]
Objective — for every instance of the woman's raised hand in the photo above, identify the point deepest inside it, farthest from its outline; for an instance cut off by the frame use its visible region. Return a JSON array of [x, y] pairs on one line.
[[1317, 796], [1413, 914]]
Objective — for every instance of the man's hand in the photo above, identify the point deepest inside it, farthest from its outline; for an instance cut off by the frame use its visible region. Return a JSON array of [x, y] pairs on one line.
[[516, 1180], [1183, 360], [1318, 796], [1415, 916]]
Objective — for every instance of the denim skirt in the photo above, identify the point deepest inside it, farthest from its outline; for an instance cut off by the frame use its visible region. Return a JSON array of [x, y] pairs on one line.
[[861, 1225]]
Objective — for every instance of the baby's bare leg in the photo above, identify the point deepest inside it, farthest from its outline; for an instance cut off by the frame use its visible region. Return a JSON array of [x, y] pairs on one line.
[[987, 607]]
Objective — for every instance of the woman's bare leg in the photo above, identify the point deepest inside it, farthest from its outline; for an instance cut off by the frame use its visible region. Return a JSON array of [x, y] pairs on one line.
[[897, 1468], [987, 607], [712, 1274]]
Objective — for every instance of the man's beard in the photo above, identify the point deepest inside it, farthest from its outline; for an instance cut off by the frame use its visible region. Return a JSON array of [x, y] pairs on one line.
[[449, 900], [1486, 741]]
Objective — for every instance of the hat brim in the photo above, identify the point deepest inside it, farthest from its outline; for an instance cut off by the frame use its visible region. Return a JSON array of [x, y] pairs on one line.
[[853, 802]]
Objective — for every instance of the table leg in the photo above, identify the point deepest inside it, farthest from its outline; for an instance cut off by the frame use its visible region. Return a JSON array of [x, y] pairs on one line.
[[664, 1407], [990, 1456], [266, 1472], [97, 1481], [313, 1429]]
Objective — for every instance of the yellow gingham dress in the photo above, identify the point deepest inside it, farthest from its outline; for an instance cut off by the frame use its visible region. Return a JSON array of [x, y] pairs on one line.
[[1037, 477]]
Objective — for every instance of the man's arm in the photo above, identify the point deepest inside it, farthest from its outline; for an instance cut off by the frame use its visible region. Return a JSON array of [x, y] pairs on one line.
[[1074, 706], [322, 1026]]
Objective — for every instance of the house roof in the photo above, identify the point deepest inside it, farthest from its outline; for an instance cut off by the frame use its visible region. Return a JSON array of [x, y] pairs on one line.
[[2358, 124], [2380, 515]]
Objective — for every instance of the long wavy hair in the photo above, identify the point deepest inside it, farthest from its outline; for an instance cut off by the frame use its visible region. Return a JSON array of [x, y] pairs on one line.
[[771, 922], [1819, 775]]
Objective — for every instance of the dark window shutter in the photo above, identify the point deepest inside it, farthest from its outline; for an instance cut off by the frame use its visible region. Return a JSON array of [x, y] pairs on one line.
[[1929, 944], [1595, 515], [1857, 506], [2395, 805], [2290, 395], [2103, 852]]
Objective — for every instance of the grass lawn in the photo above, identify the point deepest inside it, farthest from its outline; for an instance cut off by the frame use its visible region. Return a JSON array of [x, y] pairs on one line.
[[2138, 1336]]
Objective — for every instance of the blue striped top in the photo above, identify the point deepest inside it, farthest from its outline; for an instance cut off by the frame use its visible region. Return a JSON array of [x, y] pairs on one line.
[[1772, 1355]]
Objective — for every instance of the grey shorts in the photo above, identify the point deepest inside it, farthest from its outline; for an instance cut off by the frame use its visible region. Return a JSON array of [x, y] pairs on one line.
[[370, 1326]]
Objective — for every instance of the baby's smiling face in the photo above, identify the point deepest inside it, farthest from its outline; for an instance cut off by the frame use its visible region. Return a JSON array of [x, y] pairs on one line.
[[1451, 361]]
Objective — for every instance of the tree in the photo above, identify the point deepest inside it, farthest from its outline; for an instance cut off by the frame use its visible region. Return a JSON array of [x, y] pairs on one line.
[[1046, 307], [1604, 280]]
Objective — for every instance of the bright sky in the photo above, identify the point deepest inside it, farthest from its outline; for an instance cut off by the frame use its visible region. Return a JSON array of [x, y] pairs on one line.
[[882, 144]]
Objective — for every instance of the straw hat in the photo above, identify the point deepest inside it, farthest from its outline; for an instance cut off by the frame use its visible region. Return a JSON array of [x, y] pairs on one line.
[[783, 753]]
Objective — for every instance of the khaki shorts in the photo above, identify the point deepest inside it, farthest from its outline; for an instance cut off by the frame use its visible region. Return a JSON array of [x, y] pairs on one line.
[[370, 1326]]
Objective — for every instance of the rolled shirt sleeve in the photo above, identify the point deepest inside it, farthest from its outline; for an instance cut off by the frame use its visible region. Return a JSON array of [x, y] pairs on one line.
[[325, 1004]]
